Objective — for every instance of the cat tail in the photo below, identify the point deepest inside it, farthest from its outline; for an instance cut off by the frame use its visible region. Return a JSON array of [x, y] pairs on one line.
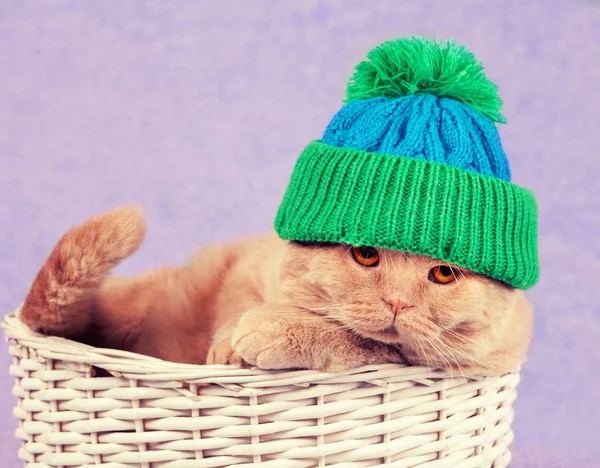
[[60, 301]]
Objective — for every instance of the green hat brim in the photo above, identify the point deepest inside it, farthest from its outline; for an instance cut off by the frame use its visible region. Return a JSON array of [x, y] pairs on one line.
[[401, 203]]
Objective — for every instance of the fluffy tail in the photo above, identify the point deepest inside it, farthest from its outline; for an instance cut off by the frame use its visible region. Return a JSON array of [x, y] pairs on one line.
[[59, 302]]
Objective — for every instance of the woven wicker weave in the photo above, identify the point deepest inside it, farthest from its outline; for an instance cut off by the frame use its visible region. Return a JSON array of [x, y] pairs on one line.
[[148, 413]]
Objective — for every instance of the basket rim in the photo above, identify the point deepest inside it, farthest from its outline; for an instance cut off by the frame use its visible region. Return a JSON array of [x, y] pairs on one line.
[[141, 367]]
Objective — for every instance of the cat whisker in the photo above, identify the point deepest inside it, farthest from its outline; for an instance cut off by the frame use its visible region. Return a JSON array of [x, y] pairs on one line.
[[395, 269], [469, 358], [424, 355], [454, 274], [412, 263], [462, 339], [452, 355], [463, 276], [348, 249], [439, 353]]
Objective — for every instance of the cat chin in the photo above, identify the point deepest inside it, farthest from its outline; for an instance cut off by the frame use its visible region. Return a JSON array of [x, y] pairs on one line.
[[389, 335], [395, 334]]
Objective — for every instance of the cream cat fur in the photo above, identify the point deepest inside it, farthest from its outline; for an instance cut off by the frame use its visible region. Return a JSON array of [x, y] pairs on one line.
[[275, 304]]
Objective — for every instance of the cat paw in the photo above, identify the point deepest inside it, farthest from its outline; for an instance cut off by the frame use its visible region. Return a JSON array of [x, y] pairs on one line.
[[294, 343], [267, 346], [223, 353]]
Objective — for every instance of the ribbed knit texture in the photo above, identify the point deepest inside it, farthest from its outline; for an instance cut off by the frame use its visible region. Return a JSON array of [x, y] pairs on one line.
[[423, 127], [426, 207]]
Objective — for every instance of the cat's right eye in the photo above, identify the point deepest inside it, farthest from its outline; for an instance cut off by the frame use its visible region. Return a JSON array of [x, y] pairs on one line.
[[442, 274]]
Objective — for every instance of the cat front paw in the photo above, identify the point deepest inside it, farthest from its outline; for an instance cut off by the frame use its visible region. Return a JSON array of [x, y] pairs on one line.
[[303, 341], [267, 345], [223, 353]]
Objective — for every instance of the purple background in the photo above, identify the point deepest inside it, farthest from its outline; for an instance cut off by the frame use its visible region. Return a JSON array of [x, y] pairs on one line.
[[199, 110]]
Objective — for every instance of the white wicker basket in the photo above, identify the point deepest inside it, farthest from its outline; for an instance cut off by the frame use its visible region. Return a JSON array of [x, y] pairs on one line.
[[148, 413]]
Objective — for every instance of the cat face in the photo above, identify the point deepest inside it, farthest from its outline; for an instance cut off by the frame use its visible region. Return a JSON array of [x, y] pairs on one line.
[[440, 314]]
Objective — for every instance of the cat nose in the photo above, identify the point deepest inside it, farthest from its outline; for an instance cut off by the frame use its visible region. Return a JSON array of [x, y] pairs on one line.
[[397, 305]]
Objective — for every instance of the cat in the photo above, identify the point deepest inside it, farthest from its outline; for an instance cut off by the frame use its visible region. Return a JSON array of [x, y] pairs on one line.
[[276, 304]]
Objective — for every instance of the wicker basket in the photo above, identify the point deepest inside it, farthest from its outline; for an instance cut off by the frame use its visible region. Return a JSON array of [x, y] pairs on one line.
[[83, 406]]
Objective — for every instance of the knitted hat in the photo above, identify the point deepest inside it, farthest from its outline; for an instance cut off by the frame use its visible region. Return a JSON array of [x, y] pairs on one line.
[[414, 162]]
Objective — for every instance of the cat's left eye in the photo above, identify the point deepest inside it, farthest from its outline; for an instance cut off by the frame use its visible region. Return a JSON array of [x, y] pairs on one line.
[[366, 256], [442, 274]]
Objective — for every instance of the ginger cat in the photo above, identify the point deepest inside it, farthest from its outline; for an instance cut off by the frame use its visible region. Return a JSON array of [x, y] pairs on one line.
[[277, 304]]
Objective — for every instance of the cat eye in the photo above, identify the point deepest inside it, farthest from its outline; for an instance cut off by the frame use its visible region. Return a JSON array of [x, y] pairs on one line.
[[442, 274], [366, 256]]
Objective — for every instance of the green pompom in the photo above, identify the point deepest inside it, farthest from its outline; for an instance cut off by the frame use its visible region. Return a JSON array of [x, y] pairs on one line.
[[403, 67]]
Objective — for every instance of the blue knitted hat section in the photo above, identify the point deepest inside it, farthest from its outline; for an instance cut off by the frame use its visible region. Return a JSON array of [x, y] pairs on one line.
[[424, 127]]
